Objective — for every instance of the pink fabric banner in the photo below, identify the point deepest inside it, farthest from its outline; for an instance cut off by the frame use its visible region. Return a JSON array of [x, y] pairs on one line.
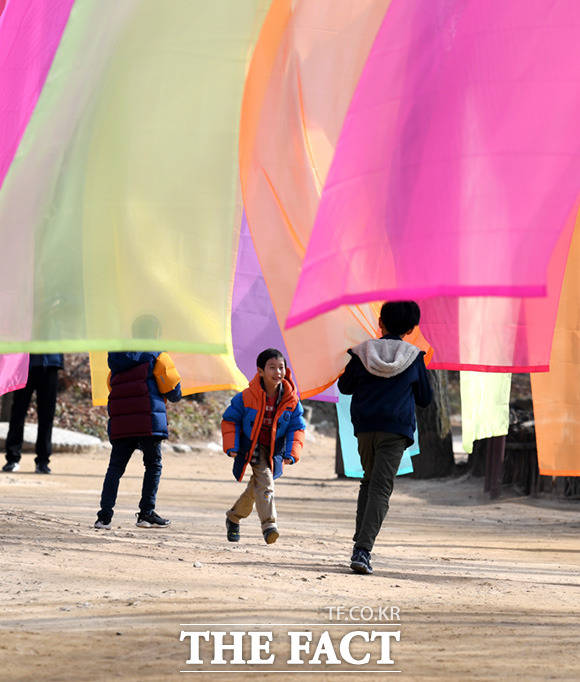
[[29, 36], [458, 161], [13, 372], [497, 334]]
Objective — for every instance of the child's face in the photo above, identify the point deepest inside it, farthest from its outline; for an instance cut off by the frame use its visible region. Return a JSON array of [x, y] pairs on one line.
[[273, 372]]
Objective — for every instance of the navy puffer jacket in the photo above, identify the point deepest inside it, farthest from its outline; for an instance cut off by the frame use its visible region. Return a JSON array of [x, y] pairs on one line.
[[140, 383]]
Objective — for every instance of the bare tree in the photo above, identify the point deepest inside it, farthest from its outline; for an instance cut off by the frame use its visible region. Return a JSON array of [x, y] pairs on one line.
[[435, 440]]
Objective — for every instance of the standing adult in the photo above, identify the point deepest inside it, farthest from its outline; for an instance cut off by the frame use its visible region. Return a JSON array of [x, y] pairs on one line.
[[42, 378]]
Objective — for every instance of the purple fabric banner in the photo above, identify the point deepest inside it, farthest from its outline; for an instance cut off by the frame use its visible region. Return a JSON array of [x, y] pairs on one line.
[[254, 323]]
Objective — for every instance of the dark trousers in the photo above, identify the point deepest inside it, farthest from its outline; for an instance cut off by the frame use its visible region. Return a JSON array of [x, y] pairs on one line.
[[121, 453], [44, 381], [380, 455]]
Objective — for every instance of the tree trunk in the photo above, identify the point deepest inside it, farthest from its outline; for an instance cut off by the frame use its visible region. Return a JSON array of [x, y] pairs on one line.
[[338, 461], [476, 460], [435, 441]]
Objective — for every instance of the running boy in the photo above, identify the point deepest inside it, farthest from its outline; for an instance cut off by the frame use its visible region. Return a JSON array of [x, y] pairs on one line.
[[263, 427], [140, 384], [386, 377]]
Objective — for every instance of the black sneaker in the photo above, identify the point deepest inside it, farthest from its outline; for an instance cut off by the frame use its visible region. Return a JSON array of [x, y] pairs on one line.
[[102, 525], [271, 535], [42, 468], [11, 466], [233, 530], [151, 519], [360, 562]]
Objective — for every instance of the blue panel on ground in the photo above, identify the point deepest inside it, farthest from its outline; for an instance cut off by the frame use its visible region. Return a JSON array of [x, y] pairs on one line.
[[349, 446]]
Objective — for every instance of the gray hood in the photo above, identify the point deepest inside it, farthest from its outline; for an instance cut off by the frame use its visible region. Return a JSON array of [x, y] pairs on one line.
[[386, 357]]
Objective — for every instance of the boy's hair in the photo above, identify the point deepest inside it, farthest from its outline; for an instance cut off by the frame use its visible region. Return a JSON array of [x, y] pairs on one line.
[[399, 317], [268, 354]]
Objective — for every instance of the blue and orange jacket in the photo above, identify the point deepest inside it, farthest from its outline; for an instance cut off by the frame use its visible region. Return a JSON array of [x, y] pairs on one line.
[[139, 384], [242, 421]]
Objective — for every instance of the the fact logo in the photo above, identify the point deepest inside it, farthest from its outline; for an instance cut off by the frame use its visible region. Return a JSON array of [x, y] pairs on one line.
[[292, 647]]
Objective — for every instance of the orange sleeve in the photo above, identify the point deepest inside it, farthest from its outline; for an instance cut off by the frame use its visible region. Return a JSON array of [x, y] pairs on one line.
[[228, 436], [165, 373], [297, 444]]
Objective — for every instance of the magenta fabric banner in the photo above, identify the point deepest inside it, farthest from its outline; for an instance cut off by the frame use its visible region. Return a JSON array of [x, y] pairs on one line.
[[29, 36], [13, 372], [458, 162]]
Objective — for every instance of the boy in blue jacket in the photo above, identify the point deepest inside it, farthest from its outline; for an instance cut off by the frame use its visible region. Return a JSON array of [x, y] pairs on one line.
[[386, 377], [140, 383], [263, 427]]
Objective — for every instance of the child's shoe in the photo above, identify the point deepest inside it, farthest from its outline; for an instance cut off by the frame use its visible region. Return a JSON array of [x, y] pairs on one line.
[[151, 519], [102, 525], [271, 535], [233, 530], [360, 561]]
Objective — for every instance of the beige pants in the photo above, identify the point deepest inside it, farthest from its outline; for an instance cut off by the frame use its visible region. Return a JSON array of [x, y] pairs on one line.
[[260, 489]]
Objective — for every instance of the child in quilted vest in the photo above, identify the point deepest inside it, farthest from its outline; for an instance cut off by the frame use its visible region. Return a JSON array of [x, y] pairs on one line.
[[140, 383]]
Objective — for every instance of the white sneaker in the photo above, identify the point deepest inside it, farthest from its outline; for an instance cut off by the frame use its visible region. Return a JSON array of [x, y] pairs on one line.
[[11, 466], [102, 526]]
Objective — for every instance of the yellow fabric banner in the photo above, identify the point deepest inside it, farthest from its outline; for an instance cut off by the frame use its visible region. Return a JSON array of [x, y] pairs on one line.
[[485, 406], [198, 373]]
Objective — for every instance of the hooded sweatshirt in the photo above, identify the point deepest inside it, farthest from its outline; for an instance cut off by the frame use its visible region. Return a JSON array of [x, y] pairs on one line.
[[386, 377]]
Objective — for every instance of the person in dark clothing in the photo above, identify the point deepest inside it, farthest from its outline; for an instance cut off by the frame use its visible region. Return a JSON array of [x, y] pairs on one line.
[[386, 377], [42, 378], [140, 383]]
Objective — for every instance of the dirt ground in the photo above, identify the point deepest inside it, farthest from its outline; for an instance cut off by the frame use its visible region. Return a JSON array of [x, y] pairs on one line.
[[485, 590]]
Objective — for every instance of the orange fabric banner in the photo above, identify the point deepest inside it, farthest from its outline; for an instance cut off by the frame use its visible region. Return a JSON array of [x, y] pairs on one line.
[[556, 393], [304, 70]]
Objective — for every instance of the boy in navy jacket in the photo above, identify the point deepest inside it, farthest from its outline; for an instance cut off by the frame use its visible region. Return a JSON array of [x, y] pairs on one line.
[[386, 377], [139, 383]]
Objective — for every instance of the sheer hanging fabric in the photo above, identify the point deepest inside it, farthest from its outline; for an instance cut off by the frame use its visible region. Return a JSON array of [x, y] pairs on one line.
[[456, 174], [13, 372], [304, 71], [119, 209], [485, 406], [556, 394], [254, 323]]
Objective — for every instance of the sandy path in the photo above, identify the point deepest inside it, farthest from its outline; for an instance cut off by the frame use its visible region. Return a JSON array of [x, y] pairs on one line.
[[486, 591]]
